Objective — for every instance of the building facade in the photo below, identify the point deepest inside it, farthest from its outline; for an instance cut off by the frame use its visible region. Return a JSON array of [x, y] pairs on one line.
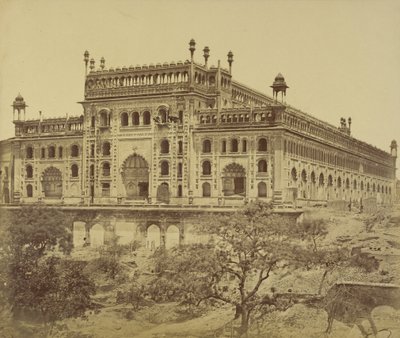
[[185, 133]]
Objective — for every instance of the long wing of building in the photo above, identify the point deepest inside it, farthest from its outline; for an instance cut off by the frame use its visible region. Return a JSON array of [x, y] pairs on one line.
[[187, 133]]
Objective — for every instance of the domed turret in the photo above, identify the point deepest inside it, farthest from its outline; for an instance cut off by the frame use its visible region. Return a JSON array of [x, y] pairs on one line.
[[279, 85], [393, 148], [19, 106]]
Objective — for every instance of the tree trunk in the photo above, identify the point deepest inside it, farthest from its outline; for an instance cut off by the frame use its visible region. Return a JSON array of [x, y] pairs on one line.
[[244, 326], [322, 281]]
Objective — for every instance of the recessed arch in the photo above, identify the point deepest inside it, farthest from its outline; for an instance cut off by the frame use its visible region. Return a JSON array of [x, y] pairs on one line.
[[234, 180], [262, 189], [135, 176], [52, 182]]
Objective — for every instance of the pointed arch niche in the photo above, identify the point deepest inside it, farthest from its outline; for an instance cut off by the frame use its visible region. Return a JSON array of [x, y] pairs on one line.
[[135, 177]]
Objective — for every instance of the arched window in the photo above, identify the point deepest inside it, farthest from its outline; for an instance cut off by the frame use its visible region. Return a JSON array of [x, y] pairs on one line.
[[52, 152], [234, 145], [43, 153], [106, 148], [362, 185], [347, 183], [93, 121], [135, 119], [206, 168], [303, 176], [294, 174], [29, 171], [164, 147], [179, 169], [60, 152], [146, 118], [180, 114], [74, 170], [179, 190], [262, 166], [206, 187], [354, 184], [92, 150], [330, 181], [244, 146], [106, 169], [105, 119], [313, 179], [206, 146], [180, 147], [321, 179], [262, 189], [91, 171], [262, 144], [223, 146], [164, 168], [29, 190], [29, 152], [74, 150], [339, 182], [368, 186], [163, 115], [124, 119], [373, 187]]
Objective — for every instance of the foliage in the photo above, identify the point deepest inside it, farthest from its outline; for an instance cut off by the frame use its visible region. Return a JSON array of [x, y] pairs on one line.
[[246, 248], [35, 230], [109, 260], [135, 296], [37, 280], [56, 288]]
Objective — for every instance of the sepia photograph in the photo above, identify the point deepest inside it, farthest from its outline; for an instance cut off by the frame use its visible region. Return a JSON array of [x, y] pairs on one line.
[[199, 169]]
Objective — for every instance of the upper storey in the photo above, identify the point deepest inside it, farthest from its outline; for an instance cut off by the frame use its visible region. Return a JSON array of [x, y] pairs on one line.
[[160, 79]]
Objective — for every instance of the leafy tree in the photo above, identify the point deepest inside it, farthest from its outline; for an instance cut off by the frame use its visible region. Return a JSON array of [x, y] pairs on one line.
[[246, 247], [109, 260], [37, 276]]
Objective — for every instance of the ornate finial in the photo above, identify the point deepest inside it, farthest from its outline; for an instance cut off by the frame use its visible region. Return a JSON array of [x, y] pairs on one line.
[[206, 54], [192, 47], [102, 63], [91, 64], [86, 59], [230, 60]]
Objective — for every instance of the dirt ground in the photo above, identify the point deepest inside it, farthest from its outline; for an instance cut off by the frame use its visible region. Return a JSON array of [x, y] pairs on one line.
[[381, 239]]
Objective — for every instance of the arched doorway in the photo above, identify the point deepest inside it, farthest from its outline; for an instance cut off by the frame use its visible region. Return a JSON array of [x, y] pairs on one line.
[[52, 183], [125, 232], [172, 237], [262, 189], [135, 176], [153, 237], [234, 180], [96, 236], [79, 234], [163, 193]]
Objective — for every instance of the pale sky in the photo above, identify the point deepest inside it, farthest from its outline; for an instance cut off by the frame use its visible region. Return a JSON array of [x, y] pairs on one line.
[[339, 58]]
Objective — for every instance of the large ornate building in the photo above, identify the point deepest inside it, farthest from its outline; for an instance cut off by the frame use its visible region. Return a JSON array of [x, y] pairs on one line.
[[184, 133]]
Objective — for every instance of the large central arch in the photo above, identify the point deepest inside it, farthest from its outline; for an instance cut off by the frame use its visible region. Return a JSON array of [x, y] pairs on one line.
[[234, 180], [135, 176], [52, 182]]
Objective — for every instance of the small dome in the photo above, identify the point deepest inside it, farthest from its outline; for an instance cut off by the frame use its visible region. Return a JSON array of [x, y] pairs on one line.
[[19, 98], [279, 77]]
